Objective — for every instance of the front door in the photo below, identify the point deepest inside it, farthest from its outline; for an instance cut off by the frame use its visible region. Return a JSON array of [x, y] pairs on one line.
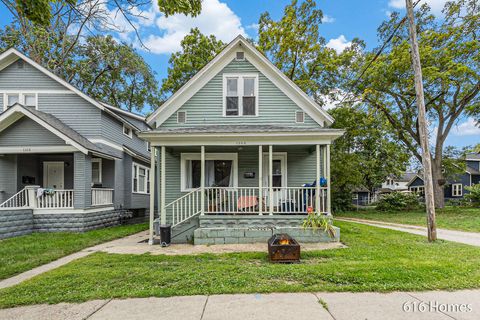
[[279, 171], [53, 174]]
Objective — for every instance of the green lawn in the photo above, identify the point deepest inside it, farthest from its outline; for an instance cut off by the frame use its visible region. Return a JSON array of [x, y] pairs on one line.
[[23, 253], [376, 260], [464, 219]]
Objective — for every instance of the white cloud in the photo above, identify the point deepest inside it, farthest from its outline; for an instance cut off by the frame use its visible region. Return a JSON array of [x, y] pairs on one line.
[[328, 19], [436, 5], [339, 44], [467, 128], [253, 26], [216, 18]]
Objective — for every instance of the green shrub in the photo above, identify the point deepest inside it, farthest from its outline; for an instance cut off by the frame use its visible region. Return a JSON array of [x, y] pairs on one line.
[[473, 195], [396, 201]]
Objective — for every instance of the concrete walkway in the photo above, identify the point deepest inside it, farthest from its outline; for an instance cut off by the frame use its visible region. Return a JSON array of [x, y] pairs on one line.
[[471, 238], [461, 305]]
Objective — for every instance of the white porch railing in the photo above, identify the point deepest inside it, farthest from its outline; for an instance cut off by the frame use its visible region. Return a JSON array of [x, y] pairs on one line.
[[101, 196], [18, 200], [184, 207], [244, 200], [58, 199]]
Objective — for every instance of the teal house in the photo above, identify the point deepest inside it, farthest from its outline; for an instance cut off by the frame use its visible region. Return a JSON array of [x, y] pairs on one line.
[[238, 153]]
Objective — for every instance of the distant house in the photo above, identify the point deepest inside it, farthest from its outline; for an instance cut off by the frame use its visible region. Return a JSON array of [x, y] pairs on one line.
[[67, 161], [454, 188]]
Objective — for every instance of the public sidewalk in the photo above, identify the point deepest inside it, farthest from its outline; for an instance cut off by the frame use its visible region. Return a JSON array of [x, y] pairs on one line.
[[471, 238], [461, 305]]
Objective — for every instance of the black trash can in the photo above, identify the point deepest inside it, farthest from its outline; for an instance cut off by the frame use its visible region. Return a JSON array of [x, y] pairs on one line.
[[165, 234]]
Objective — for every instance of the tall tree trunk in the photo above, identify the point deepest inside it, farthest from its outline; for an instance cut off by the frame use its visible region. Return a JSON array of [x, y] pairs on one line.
[[438, 183]]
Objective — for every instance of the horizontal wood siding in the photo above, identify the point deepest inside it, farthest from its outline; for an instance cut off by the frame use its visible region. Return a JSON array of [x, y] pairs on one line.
[[26, 78], [74, 111], [26, 132], [82, 177], [206, 106], [112, 129]]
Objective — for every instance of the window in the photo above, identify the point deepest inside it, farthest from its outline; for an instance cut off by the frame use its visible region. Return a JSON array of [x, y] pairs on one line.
[[457, 190], [221, 170], [97, 171], [26, 99], [127, 131], [240, 94], [299, 117], [420, 190], [12, 98], [140, 178], [30, 100], [181, 117], [240, 56]]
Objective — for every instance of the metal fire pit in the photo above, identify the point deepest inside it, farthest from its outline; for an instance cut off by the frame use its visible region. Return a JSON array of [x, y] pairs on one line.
[[283, 248]]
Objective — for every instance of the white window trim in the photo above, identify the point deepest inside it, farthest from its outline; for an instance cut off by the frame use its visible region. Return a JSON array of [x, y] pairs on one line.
[[459, 191], [147, 175], [21, 98], [240, 77], [130, 135], [184, 157], [282, 156], [296, 113], [100, 173]]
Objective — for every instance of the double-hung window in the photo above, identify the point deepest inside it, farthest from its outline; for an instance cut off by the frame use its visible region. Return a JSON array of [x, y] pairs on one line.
[[240, 94], [457, 190], [140, 178]]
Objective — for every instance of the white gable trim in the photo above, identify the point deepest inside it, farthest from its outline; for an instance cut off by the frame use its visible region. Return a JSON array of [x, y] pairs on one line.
[[12, 55], [16, 112], [257, 60]]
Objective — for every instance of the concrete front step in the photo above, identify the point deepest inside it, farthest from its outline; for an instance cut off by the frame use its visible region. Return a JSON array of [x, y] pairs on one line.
[[225, 235]]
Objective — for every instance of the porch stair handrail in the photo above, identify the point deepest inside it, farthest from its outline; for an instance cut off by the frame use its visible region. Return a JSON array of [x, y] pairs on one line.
[[185, 207], [18, 200]]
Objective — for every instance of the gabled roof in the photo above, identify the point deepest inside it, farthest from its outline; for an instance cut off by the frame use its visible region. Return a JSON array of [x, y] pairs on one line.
[[473, 156], [259, 61], [54, 125], [11, 55]]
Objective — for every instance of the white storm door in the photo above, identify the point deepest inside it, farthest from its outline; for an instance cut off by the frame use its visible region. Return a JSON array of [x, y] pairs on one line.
[[53, 174]]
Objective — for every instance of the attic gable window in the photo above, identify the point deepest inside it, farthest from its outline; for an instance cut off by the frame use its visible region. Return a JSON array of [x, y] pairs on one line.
[[26, 99], [240, 95], [127, 131]]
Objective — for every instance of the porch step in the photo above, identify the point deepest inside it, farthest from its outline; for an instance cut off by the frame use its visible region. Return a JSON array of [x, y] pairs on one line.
[[228, 235], [183, 232]]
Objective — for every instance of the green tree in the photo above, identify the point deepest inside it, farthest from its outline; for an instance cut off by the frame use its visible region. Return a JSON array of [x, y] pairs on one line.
[[295, 46], [365, 155], [197, 50], [450, 56], [109, 71], [40, 12], [114, 73]]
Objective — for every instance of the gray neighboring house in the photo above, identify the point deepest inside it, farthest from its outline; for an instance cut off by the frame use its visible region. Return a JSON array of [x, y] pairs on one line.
[[67, 161], [454, 188]]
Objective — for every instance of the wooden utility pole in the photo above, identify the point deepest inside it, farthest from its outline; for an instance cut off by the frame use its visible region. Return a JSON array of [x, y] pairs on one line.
[[422, 126]]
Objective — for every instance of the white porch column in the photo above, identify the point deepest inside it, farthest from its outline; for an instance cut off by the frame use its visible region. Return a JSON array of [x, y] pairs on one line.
[[317, 185], [158, 177], [202, 180], [152, 195], [260, 180], [163, 213], [270, 179], [329, 182]]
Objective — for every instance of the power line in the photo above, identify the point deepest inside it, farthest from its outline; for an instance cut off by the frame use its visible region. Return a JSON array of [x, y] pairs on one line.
[[379, 52]]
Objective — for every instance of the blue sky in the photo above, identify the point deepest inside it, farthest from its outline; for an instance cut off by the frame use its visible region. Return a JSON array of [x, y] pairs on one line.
[[343, 21]]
